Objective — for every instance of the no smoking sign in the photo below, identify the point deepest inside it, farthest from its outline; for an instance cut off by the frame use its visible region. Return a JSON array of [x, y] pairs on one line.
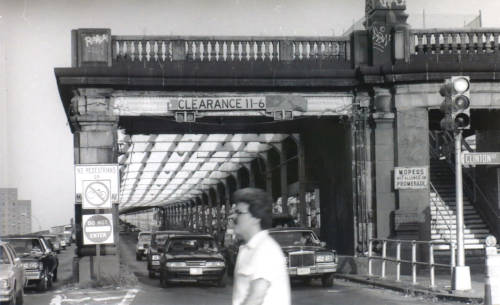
[[96, 194]]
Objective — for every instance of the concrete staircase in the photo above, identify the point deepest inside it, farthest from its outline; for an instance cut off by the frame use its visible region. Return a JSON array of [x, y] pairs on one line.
[[443, 214]]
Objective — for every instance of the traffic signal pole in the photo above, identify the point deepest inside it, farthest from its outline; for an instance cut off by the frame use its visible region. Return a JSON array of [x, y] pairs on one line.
[[461, 273]]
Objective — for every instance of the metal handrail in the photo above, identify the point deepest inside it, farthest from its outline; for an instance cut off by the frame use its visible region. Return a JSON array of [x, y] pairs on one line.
[[439, 212], [414, 263]]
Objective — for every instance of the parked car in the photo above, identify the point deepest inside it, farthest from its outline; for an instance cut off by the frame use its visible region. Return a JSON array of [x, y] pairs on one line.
[[11, 276], [55, 241], [158, 239], [306, 256], [39, 262], [143, 241], [191, 257]]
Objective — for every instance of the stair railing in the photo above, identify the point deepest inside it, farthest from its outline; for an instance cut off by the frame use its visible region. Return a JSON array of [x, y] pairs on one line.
[[441, 145], [447, 222]]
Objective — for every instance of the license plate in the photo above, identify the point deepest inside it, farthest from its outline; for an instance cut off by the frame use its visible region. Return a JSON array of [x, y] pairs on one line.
[[156, 263], [302, 271], [195, 271]]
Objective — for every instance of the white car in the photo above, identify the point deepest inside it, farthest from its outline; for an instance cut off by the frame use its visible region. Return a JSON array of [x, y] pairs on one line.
[[12, 278]]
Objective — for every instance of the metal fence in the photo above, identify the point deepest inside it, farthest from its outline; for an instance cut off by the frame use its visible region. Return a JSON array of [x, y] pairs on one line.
[[413, 262]]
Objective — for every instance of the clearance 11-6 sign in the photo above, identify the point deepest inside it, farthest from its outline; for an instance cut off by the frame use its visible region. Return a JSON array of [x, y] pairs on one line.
[[96, 185]]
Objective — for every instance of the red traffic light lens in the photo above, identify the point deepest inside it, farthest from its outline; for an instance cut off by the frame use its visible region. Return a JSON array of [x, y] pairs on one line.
[[461, 102]]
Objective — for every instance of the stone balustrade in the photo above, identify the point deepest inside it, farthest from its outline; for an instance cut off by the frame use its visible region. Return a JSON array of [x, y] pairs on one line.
[[455, 41], [229, 49]]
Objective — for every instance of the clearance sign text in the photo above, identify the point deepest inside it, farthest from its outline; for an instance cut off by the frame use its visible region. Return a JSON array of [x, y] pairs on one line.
[[218, 103]]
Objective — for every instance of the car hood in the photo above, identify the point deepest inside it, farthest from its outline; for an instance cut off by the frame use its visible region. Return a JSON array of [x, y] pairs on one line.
[[5, 271], [29, 256], [195, 255]]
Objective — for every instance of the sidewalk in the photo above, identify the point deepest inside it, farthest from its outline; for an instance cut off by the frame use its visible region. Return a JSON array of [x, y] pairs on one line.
[[442, 291]]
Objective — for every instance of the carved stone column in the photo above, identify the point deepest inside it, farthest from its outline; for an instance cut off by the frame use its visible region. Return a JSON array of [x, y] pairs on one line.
[[384, 133], [95, 142]]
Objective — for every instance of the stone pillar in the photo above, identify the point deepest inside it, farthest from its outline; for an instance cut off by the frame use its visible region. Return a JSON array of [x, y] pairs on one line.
[[383, 131], [269, 173], [95, 137], [412, 218], [388, 31]]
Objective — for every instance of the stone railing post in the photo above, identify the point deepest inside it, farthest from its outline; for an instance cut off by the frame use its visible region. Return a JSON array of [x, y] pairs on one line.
[[91, 47]]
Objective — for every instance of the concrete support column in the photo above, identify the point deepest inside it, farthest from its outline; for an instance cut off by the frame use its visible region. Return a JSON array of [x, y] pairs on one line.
[[384, 134], [95, 142], [283, 178], [269, 173], [198, 212], [210, 205], [301, 178], [412, 218]]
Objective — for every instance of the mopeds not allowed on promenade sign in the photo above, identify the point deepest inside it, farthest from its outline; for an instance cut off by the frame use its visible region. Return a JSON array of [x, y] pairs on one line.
[[98, 229]]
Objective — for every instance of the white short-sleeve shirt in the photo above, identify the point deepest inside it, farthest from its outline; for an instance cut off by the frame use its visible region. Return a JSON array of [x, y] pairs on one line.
[[261, 257]]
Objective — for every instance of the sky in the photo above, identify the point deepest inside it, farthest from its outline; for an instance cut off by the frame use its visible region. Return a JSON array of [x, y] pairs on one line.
[[36, 144]]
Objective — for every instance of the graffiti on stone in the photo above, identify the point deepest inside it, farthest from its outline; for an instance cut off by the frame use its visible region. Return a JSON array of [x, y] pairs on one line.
[[384, 4], [380, 38], [95, 39]]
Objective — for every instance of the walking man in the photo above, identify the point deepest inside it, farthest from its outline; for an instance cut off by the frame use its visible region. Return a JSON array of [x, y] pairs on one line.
[[260, 275]]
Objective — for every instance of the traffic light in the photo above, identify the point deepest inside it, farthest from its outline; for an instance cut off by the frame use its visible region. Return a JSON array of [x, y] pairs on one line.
[[461, 101], [456, 104]]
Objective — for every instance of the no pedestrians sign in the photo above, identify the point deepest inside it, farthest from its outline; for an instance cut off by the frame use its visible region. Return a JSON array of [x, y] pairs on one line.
[[97, 229], [97, 185]]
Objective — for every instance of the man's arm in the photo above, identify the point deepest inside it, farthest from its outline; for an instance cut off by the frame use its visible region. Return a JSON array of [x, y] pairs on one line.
[[257, 292]]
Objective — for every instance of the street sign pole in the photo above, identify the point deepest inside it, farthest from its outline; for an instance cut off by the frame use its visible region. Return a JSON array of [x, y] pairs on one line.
[[461, 273]]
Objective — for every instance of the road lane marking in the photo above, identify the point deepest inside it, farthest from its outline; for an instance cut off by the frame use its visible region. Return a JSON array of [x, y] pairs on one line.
[[71, 297]]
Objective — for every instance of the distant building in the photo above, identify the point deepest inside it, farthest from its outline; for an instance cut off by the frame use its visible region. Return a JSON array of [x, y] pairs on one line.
[[15, 214]]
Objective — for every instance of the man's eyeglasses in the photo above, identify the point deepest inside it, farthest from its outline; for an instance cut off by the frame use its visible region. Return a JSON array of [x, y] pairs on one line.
[[238, 212]]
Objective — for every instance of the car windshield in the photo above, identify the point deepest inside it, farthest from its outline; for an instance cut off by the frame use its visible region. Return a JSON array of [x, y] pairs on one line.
[[4, 257], [145, 237], [25, 245], [295, 238], [160, 238], [191, 245]]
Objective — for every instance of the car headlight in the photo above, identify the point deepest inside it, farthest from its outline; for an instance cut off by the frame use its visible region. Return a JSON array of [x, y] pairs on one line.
[[324, 258], [4, 284], [215, 264], [155, 257], [176, 264]]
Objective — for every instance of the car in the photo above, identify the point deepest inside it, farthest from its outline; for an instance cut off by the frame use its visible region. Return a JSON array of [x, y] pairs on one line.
[[55, 241], [191, 257], [306, 256], [62, 239], [158, 239], [143, 241], [39, 262], [11, 276]]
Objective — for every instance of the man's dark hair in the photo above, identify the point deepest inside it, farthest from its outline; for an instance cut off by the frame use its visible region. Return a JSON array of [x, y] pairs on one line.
[[260, 204]]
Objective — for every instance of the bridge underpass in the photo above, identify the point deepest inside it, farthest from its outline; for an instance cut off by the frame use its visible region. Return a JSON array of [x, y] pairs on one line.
[[187, 178]]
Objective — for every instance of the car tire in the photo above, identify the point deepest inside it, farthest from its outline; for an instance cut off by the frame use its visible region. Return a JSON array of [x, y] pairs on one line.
[[327, 280], [151, 274], [307, 281], [222, 281], [138, 257], [43, 283]]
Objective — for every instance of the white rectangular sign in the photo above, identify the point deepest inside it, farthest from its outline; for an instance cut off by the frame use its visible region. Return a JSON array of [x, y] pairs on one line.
[[93, 180], [411, 178], [480, 158], [98, 229]]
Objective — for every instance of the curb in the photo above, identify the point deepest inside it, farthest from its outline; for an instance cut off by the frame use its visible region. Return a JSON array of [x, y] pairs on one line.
[[441, 295]]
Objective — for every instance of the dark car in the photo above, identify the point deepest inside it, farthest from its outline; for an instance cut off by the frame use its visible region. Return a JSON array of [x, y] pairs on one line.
[[158, 239], [191, 257], [306, 256], [39, 261]]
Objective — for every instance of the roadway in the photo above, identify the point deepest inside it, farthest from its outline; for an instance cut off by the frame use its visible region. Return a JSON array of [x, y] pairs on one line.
[[145, 291]]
